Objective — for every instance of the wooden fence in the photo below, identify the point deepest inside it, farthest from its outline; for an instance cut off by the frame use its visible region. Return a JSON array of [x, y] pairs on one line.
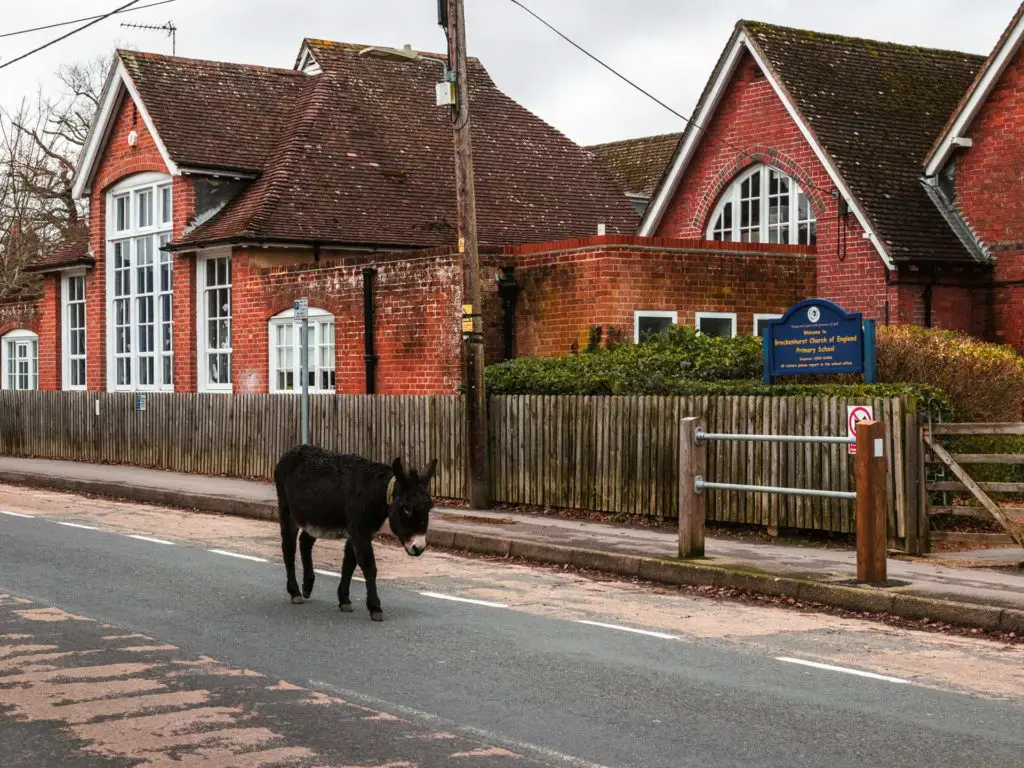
[[609, 454]]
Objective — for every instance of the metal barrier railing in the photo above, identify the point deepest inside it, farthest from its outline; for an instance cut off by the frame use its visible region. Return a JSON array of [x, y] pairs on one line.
[[869, 495]]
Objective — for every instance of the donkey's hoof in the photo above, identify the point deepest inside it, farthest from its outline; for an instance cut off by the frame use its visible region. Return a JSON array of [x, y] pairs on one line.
[[307, 592], [345, 607], [298, 599], [377, 615]]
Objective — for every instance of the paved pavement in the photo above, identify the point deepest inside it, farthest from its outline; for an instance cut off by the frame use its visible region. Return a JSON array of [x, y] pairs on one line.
[[552, 690], [991, 587]]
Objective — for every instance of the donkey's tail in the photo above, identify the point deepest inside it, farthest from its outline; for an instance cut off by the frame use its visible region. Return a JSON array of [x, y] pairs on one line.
[[286, 466]]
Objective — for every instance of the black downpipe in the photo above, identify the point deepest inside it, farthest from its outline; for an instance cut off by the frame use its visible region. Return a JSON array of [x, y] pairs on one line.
[[928, 306], [369, 353], [508, 290]]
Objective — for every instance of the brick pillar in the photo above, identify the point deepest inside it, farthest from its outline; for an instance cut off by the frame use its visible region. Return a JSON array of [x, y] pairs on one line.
[[49, 334]]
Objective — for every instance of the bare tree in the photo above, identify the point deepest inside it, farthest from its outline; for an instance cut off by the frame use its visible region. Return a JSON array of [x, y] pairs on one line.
[[40, 143]]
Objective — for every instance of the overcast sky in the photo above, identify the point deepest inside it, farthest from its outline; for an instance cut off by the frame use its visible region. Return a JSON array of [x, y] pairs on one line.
[[668, 46]]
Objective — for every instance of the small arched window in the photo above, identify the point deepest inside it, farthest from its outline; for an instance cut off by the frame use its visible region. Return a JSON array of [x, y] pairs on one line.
[[286, 352], [20, 352], [764, 205]]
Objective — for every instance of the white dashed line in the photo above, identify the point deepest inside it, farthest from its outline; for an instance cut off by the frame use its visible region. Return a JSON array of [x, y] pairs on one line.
[[77, 525], [847, 670], [240, 556], [150, 539], [484, 603], [14, 514], [649, 633], [336, 575]]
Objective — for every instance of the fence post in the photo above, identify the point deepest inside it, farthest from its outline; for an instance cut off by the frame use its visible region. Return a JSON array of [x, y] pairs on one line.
[[692, 460], [871, 528]]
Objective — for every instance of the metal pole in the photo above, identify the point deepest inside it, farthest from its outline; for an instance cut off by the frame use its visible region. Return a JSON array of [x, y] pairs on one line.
[[825, 439], [476, 398], [871, 529], [305, 380], [701, 485]]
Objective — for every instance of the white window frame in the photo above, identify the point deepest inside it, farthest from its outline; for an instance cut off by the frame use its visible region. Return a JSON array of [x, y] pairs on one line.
[[203, 368], [67, 357], [715, 316], [318, 318], [762, 316], [156, 232], [733, 196], [641, 313], [18, 337]]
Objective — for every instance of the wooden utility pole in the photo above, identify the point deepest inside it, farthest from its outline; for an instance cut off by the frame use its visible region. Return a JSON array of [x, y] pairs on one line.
[[692, 464], [476, 398], [870, 505]]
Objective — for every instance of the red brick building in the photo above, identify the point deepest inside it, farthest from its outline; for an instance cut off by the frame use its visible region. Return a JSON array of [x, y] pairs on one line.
[[218, 193], [901, 165], [881, 176]]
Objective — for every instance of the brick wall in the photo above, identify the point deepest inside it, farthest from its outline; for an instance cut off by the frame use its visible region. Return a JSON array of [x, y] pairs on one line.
[[753, 118], [16, 315], [567, 287], [990, 195], [417, 308]]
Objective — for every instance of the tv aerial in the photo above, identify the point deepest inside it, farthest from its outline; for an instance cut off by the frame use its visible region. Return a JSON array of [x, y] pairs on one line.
[[169, 28]]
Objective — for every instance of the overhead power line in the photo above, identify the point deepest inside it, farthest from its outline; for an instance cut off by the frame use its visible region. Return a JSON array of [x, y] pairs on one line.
[[75, 31], [688, 120], [76, 21]]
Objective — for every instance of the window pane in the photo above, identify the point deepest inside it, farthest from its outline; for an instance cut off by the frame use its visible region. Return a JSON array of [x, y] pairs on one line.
[[653, 325], [165, 204], [121, 218], [144, 208], [716, 326]]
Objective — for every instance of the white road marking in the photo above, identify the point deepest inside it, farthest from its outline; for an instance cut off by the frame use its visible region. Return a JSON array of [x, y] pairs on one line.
[[240, 556], [76, 525], [14, 514], [150, 539], [484, 603], [635, 631], [336, 575], [847, 670]]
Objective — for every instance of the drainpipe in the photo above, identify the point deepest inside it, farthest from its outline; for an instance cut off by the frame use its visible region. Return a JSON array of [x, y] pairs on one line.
[[508, 290], [369, 355], [928, 305]]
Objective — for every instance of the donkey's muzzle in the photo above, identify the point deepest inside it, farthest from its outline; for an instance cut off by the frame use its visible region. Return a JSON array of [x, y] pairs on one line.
[[416, 546]]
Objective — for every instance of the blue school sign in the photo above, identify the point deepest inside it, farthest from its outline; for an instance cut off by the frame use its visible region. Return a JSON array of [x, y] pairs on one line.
[[815, 337]]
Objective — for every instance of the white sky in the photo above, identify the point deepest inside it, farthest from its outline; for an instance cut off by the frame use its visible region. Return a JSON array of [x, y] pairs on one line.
[[668, 46]]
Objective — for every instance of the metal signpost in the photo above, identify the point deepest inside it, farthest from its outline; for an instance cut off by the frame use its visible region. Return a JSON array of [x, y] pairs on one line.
[[818, 337], [302, 314]]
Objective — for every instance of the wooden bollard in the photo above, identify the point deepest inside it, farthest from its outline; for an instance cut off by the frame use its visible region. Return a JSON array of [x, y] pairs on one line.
[[692, 460], [870, 477]]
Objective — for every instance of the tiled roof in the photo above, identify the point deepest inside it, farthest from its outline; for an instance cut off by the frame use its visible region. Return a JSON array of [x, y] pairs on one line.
[[361, 154], [72, 252], [875, 108], [212, 114], [638, 164]]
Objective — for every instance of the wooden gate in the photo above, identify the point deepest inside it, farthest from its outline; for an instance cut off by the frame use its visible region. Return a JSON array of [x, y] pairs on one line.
[[1011, 518]]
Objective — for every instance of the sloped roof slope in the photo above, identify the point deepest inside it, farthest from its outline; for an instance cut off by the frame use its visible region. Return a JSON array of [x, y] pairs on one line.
[[638, 164]]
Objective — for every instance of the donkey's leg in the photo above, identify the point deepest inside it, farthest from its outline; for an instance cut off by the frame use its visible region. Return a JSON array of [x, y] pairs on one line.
[[348, 567], [288, 550], [368, 565], [306, 543]]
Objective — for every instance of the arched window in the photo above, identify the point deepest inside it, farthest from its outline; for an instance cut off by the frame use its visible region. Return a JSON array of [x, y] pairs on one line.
[[286, 352], [20, 352], [764, 205]]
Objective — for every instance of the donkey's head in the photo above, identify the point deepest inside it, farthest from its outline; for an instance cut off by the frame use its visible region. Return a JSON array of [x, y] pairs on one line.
[[409, 508]]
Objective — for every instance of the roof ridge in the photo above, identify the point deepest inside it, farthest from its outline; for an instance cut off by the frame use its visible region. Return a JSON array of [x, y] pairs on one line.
[[751, 25], [124, 52], [651, 137]]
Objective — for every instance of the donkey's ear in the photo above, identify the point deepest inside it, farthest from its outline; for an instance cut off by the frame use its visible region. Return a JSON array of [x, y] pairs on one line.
[[399, 470], [428, 473]]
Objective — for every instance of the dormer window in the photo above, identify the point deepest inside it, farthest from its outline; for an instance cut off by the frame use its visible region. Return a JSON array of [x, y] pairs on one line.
[[764, 205]]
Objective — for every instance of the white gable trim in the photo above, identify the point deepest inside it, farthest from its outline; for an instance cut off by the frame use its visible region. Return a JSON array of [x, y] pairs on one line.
[[661, 199], [307, 61], [118, 81], [957, 130]]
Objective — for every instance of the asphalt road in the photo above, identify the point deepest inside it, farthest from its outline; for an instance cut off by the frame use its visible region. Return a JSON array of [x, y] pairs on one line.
[[557, 692]]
